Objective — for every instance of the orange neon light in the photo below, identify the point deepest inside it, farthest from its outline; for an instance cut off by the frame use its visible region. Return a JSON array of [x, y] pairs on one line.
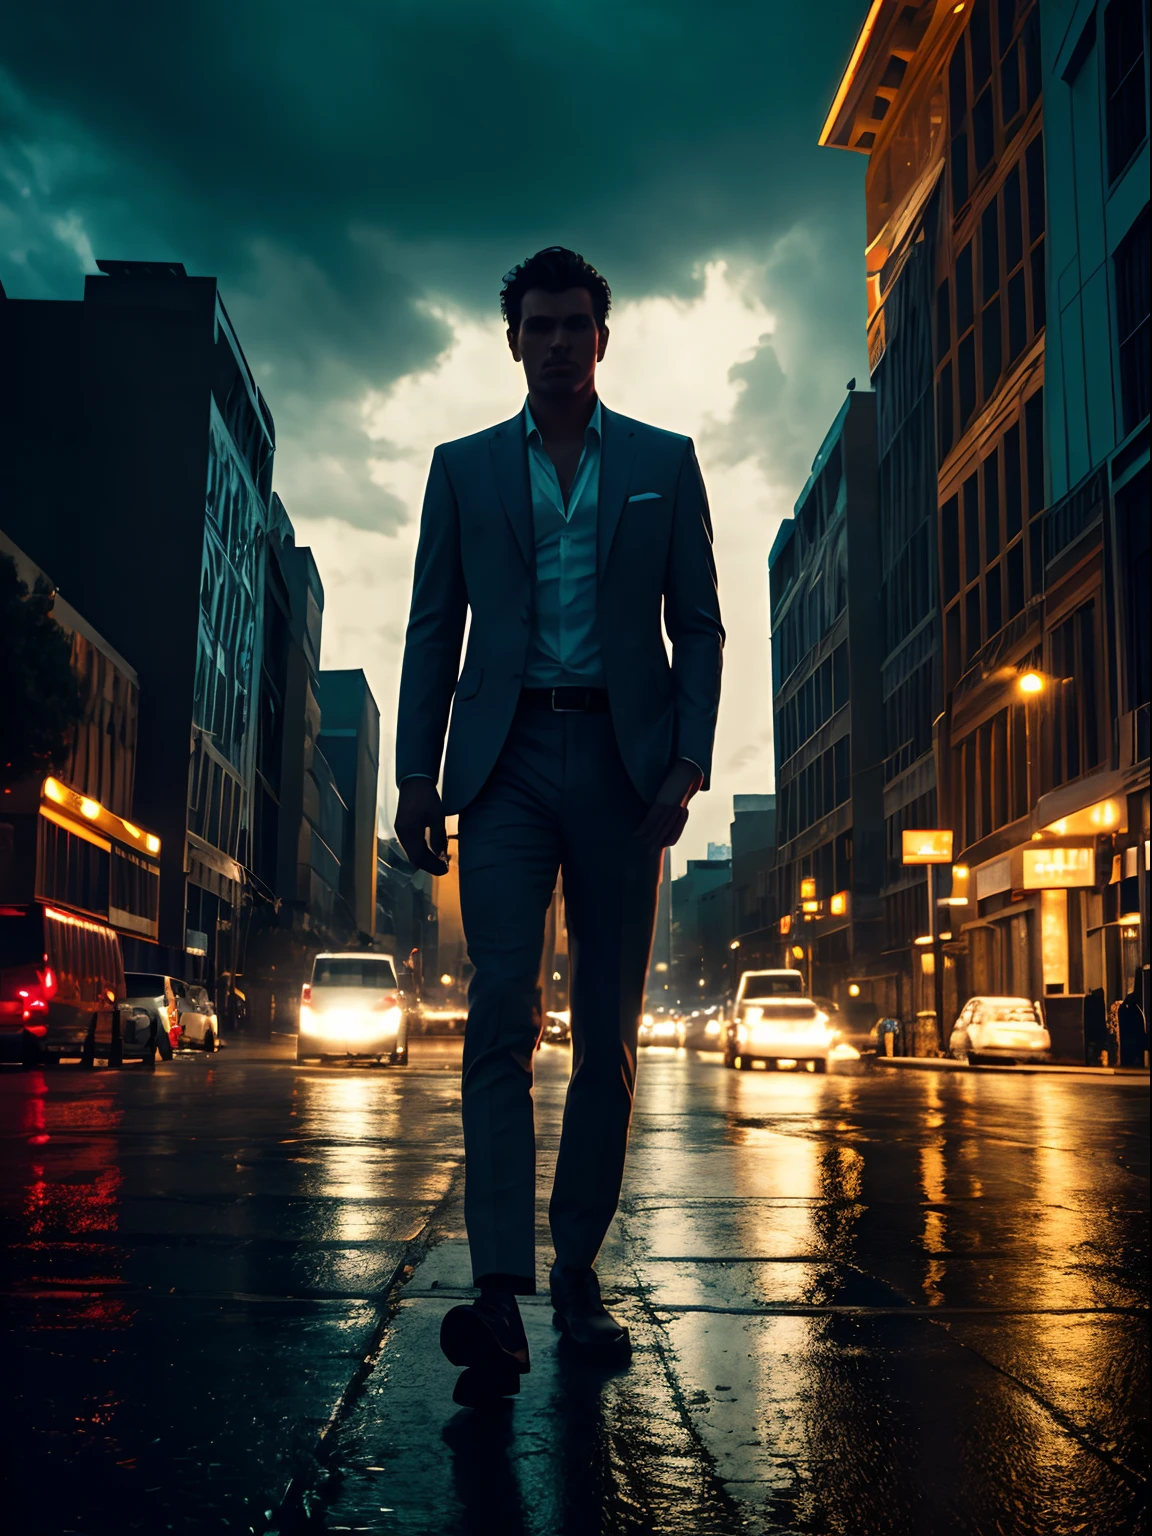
[[846, 82], [76, 922]]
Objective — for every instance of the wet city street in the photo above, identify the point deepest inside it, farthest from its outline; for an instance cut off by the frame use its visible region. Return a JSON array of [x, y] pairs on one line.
[[878, 1301]]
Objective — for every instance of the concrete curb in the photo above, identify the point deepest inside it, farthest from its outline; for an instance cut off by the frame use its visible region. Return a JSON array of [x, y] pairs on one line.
[[945, 1064]]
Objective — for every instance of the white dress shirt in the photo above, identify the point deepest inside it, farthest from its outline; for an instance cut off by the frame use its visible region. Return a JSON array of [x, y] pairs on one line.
[[564, 649]]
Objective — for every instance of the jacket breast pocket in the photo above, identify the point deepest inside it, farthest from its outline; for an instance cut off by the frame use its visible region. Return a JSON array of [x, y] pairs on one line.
[[468, 684]]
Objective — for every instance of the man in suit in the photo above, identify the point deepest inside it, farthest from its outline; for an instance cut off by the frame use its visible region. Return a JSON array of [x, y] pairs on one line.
[[567, 533]]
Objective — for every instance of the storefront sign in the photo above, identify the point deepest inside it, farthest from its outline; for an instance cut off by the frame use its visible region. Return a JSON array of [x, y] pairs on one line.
[[1047, 869], [927, 846]]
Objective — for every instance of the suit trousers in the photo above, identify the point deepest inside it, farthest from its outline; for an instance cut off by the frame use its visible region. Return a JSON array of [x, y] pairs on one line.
[[559, 801]]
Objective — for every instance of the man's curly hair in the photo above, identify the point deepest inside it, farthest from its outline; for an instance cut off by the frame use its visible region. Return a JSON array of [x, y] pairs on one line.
[[554, 269]]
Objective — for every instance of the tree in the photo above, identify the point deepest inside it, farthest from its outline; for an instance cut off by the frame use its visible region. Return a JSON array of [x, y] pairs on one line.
[[40, 698]]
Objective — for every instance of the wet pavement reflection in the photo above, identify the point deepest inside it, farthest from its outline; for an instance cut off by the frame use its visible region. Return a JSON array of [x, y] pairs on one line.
[[872, 1301]]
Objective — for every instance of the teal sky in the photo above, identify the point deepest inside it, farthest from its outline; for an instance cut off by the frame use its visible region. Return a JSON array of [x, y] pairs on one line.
[[360, 175]]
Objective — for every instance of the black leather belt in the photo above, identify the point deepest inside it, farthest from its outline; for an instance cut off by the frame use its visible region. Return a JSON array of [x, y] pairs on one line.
[[567, 701]]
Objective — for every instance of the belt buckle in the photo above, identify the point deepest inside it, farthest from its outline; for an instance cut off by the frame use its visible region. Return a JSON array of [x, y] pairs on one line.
[[560, 709]]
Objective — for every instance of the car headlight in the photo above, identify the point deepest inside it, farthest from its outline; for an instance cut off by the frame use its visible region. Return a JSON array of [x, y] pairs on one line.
[[712, 1027], [349, 1023]]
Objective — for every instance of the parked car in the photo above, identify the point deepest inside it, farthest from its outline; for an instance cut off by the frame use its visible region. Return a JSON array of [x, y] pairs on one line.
[[1000, 1029], [182, 1010], [773, 1022], [353, 1009], [662, 1028], [142, 1036], [61, 985]]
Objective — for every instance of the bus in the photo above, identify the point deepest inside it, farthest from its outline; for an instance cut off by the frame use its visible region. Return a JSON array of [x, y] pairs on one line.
[[74, 876]]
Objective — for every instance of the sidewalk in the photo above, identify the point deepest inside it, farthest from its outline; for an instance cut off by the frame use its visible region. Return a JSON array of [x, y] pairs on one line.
[[946, 1064]]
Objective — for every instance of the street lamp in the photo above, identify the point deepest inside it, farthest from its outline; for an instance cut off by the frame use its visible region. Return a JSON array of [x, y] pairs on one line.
[[1031, 684]]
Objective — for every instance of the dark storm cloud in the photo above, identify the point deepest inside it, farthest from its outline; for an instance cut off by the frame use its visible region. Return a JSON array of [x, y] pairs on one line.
[[337, 166]]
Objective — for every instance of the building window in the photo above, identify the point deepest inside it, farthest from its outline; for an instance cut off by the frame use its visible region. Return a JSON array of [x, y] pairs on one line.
[[992, 600], [972, 637], [1013, 491], [971, 492], [1075, 704], [1127, 125], [1131, 268], [1132, 521], [965, 309], [1015, 579], [944, 427], [950, 547], [992, 506], [943, 321], [1034, 450]]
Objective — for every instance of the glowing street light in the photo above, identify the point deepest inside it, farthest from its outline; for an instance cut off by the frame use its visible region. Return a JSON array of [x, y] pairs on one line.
[[1030, 682]]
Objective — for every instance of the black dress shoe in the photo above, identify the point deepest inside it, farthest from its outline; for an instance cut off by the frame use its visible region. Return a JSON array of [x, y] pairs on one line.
[[582, 1317], [488, 1339], [483, 1387]]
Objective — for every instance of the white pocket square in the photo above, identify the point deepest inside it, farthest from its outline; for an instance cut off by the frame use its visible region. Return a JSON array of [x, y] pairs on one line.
[[646, 496]]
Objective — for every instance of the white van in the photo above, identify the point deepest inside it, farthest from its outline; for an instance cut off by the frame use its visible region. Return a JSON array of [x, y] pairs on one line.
[[353, 1008], [773, 1022]]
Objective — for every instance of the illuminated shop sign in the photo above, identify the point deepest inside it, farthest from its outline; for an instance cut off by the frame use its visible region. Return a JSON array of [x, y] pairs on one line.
[[927, 847], [1047, 869]]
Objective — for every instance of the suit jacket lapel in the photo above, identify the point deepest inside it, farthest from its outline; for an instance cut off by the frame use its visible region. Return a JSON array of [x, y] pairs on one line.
[[510, 465], [617, 446]]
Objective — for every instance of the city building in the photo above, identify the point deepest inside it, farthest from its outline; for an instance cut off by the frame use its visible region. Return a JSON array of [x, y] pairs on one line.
[[889, 107], [156, 510], [754, 916], [70, 837], [1093, 733], [826, 677], [301, 814], [701, 929], [350, 742]]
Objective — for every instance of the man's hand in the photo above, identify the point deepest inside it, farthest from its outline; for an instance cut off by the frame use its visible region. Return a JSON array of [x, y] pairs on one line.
[[420, 810], [669, 814]]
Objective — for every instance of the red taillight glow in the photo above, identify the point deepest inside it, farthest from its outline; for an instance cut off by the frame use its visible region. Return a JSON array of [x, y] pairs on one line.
[[389, 1000], [26, 989], [306, 992]]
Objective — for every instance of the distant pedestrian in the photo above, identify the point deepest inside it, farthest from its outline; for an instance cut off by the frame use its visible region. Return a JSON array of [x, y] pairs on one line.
[[560, 540], [1132, 1030], [1095, 1026]]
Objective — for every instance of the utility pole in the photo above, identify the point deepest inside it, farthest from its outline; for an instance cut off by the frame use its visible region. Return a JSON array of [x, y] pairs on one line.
[[937, 956]]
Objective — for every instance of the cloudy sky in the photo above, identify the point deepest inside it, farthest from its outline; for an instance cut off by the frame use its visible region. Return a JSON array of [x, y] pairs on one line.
[[359, 175]]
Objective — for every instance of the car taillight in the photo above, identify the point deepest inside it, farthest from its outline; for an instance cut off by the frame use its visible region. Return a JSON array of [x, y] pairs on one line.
[[389, 1000], [306, 992], [27, 989]]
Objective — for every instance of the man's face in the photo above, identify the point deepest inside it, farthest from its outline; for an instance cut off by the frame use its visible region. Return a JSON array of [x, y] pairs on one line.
[[559, 342]]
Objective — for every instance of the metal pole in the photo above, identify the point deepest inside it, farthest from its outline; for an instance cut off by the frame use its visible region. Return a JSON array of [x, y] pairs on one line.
[[937, 958]]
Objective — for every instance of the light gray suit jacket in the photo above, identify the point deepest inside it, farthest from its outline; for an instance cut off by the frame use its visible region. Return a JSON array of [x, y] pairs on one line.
[[477, 551]]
